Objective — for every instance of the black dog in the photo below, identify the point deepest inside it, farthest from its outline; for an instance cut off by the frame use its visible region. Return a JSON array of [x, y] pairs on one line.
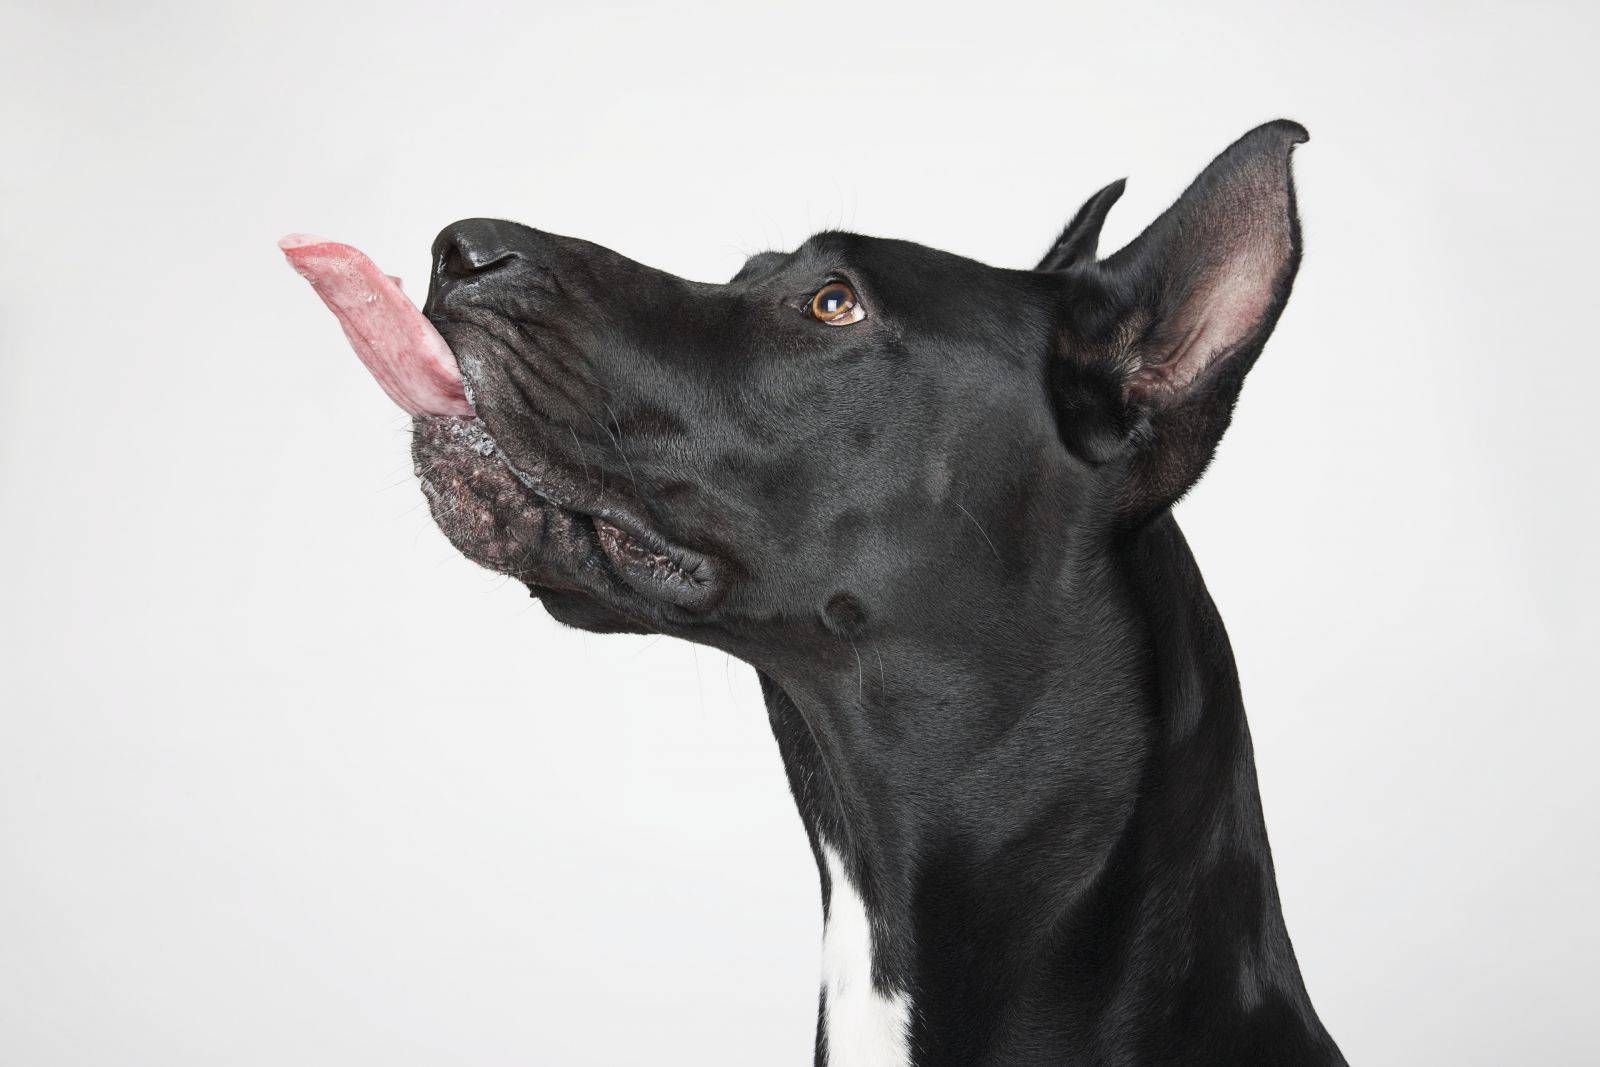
[[928, 500]]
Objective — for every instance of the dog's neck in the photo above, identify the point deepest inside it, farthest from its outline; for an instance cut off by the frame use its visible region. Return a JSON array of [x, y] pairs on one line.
[[1057, 863]]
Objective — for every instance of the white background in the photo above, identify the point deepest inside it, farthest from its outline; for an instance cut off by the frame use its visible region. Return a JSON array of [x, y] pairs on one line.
[[283, 780]]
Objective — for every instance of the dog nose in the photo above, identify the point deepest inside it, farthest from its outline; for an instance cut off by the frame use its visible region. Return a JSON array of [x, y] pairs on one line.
[[469, 248]]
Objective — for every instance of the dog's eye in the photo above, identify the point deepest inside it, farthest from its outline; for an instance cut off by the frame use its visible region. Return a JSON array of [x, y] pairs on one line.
[[835, 305]]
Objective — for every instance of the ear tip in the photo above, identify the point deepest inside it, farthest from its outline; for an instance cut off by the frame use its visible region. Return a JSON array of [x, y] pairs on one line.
[[1268, 145], [1284, 130], [1108, 196]]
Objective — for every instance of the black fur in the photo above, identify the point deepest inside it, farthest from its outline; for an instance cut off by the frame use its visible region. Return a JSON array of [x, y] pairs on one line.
[[942, 536]]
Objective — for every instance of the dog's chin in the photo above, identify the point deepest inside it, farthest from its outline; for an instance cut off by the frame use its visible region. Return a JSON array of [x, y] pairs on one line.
[[486, 512], [585, 613]]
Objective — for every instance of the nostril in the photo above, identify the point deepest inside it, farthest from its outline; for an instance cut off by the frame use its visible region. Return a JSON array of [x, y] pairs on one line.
[[464, 262], [472, 250]]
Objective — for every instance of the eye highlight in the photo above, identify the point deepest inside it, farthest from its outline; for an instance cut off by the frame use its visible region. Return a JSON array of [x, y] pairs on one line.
[[836, 305]]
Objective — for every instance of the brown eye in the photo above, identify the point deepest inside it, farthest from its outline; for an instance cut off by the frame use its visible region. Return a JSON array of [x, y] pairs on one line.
[[835, 305]]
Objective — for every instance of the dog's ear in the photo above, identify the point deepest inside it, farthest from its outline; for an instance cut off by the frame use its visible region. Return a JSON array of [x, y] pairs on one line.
[[1156, 340], [1080, 240]]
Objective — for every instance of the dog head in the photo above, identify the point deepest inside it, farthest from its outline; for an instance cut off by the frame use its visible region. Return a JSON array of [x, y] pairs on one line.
[[860, 436]]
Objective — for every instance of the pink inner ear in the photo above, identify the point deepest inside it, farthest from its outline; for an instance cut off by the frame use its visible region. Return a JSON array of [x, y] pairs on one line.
[[1231, 310], [1248, 227]]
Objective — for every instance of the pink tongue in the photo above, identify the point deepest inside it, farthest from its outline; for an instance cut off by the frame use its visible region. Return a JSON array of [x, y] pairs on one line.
[[400, 347]]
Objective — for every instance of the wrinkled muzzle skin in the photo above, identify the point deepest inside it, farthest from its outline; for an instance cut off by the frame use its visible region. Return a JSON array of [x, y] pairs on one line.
[[714, 462]]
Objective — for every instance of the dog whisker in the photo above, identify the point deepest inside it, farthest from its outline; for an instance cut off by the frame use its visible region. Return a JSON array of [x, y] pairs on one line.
[[984, 533]]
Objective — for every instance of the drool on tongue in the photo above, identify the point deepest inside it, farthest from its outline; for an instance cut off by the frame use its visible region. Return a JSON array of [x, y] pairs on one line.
[[398, 345]]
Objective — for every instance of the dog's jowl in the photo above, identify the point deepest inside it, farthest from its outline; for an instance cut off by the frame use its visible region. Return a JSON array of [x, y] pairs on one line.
[[928, 500]]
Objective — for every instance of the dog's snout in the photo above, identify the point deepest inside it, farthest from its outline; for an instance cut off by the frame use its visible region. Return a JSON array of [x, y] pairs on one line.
[[470, 248]]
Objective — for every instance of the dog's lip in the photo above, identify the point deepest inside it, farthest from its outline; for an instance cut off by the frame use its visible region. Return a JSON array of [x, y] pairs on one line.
[[653, 566], [691, 582]]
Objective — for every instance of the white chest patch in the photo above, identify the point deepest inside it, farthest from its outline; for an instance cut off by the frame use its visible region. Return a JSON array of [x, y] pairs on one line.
[[865, 1028]]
